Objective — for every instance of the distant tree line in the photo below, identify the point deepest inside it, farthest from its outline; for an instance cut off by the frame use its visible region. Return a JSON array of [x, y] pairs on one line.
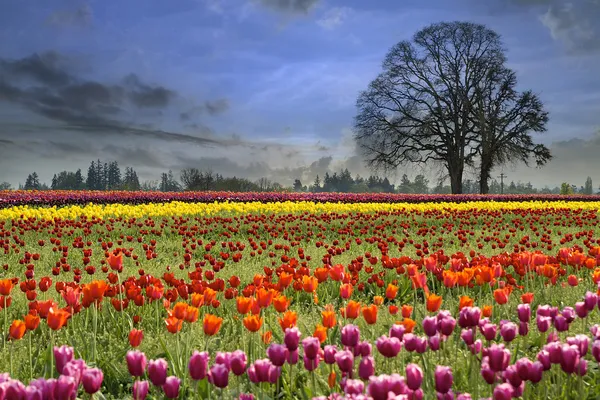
[[108, 176]]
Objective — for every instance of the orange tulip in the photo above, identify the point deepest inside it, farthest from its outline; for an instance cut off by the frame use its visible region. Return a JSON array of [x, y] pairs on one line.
[[393, 309], [32, 322], [285, 280], [434, 302], [6, 286], [289, 320], [267, 337], [391, 291], [486, 311], [253, 323], [209, 295], [527, 298], [346, 291], [197, 299], [501, 296], [180, 310], [465, 301], [377, 300], [409, 324], [328, 316], [331, 380], [243, 304], [97, 289], [264, 297], [406, 311], [320, 333], [212, 324], [572, 280], [321, 274], [336, 272], [309, 283], [281, 303], [115, 262], [174, 324], [352, 309], [192, 314], [370, 314], [17, 329], [57, 318]]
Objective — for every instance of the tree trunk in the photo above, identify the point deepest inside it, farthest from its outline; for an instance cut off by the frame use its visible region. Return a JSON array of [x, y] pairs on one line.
[[456, 173], [484, 177]]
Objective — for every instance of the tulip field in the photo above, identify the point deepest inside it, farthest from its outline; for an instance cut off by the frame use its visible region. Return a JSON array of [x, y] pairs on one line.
[[288, 296]]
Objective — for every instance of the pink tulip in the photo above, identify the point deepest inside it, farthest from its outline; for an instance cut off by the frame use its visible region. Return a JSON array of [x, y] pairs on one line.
[[469, 317], [596, 350], [508, 331], [544, 358], [92, 380], [430, 325], [397, 331], [292, 338], [310, 364], [75, 368], [157, 371], [590, 300], [62, 355], [499, 357], [523, 328], [523, 366], [238, 362], [524, 312], [410, 342], [489, 331], [388, 347], [292, 357], [366, 367], [171, 387], [277, 353], [434, 342], [569, 358], [443, 379], [414, 376], [543, 323], [350, 335], [582, 342], [136, 362], [33, 393], [329, 354], [354, 387], [198, 365], [536, 372], [511, 375], [581, 309], [363, 349], [223, 358], [561, 324], [345, 360], [503, 392], [140, 390], [66, 386], [468, 336], [219, 375], [311, 347], [446, 326]]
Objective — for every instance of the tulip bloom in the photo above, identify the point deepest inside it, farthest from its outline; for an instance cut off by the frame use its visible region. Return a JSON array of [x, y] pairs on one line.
[[136, 362], [135, 337], [57, 318], [140, 390], [32, 322], [92, 380], [171, 387], [501, 296], [157, 371], [253, 323], [17, 329], [370, 314], [320, 333], [443, 379], [388, 346], [212, 324], [346, 291], [391, 291], [198, 365], [414, 376], [328, 317], [434, 302]]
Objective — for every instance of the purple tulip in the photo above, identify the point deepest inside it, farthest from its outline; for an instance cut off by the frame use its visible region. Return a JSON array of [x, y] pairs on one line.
[[476, 347], [489, 331], [443, 379], [345, 360], [430, 325], [464, 396], [311, 347], [277, 353], [503, 392], [75, 368], [486, 372], [13, 389], [62, 355], [378, 387], [543, 323], [136, 362], [92, 380], [292, 338], [596, 350], [350, 335], [397, 331], [388, 347], [498, 357], [582, 367], [561, 324], [590, 300], [397, 384], [246, 396], [524, 312], [363, 349], [416, 394], [569, 314], [45, 386], [536, 372], [468, 336], [581, 309], [555, 351], [65, 388], [410, 342], [366, 367], [523, 328], [238, 361], [274, 374], [157, 371], [353, 387], [435, 342], [446, 326], [421, 345], [223, 358], [140, 390], [171, 387], [543, 358], [582, 342], [414, 376], [292, 357], [569, 358], [33, 393], [469, 317], [523, 366], [219, 375], [310, 364], [511, 375], [198, 365], [329, 354], [262, 368], [508, 331]]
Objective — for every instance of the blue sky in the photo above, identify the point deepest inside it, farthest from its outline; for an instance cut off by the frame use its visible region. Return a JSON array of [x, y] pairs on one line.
[[262, 87]]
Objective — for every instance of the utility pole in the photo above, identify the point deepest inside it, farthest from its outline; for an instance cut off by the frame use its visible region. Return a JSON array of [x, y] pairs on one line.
[[502, 176]]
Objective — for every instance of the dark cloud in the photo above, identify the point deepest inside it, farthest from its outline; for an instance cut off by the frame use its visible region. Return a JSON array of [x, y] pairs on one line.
[[212, 108], [43, 84], [78, 17], [290, 6]]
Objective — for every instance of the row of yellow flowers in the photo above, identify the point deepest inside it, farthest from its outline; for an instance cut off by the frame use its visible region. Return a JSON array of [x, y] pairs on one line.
[[288, 207]]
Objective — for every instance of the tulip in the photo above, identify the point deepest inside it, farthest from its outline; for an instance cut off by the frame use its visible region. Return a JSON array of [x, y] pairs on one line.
[[353, 387], [62, 355], [274, 374], [311, 346], [66, 387], [135, 337], [13, 389], [582, 342], [486, 372], [224, 358], [378, 387], [292, 357], [219, 375], [561, 324], [555, 351], [430, 326], [524, 312], [536, 372], [543, 358], [523, 328], [92, 380], [410, 342], [467, 335], [569, 358], [363, 349], [435, 342], [33, 393], [350, 335], [596, 350], [446, 326], [489, 331], [543, 323], [414, 376], [345, 360], [503, 392], [581, 309], [157, 371], [523, 366], [310, 364], [140, 390], [45, 386], [464, 396], [75, 368], [238, 361], [443, 379], [476, 347], [590, 300], [388, 347], [511, 375], [292, 338], [499, 357], [136, 362], [198, 365], [581, 368], [329, 354], [397, 331], [277, 353], [421, 345], [508, 331], [171, 387], [569, 314], [366, 368], [469, 317]]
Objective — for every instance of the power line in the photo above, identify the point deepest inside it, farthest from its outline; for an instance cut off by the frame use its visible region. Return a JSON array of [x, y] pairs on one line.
[[502, 176]]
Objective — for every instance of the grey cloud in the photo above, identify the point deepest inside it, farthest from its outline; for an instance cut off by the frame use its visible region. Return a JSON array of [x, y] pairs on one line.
[[212, 108], [290, 6], [81, 16], [45, 68], [143, 95]]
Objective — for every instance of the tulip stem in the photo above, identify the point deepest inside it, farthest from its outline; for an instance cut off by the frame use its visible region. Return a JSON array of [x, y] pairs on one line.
[[94, 350], [30, 357], [5, 324], [11, 358]]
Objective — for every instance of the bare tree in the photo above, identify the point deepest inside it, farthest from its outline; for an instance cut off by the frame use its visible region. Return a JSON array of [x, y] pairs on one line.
[[505, 120], [418, 110]]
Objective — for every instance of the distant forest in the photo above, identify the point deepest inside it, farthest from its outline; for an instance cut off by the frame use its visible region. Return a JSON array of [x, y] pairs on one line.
[[108, 176]]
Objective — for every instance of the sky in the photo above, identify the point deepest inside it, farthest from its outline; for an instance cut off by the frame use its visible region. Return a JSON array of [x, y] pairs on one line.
[[259, 88]]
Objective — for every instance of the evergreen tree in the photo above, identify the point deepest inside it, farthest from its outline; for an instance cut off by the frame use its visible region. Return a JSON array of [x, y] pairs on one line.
[[316, 186], [79, 184], [589, 187], [91, 182], [297, 185], [32, 182]]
